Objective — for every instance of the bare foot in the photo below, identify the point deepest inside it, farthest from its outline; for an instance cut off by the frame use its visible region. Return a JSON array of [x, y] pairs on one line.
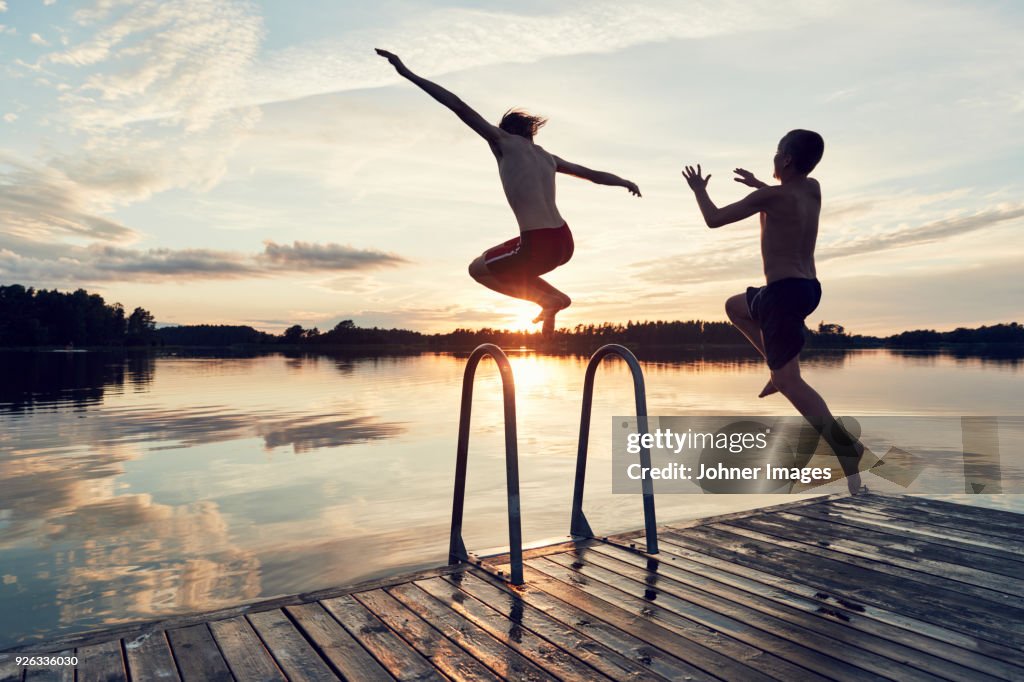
[[547, 316], [768, 389]]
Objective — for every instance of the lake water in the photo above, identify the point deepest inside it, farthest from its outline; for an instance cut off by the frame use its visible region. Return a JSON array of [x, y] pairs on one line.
[[137, 487]]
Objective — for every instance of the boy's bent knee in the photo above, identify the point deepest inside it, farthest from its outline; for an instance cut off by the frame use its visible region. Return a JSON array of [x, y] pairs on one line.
[[736, 307], [478, 268]]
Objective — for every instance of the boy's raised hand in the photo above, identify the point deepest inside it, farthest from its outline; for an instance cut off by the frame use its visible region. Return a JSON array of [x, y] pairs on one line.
[[694, 179], [390, 56], [747, 178]]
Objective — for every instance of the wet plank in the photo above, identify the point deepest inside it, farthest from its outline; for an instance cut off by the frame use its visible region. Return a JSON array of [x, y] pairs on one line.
[[970, 529], [863, 650], [714, 652], [576, 619], [502, 660], [336, 644], [903, 551], [244, 652], [196, 653], [446, 656], [980, 602], [9, 671], [510, 631], [982, 515], [102, 663], [513, 606], [845, 600], [888, 633], [400, 659], [797, 645], [149, 658], [955, 539], [855, 580], [294, 655]]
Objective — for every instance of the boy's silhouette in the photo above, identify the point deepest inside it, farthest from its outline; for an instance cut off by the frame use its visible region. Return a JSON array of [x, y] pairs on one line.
[[772, 316], [527, 175]]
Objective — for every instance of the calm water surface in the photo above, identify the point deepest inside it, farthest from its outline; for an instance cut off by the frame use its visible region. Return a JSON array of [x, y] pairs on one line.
[[133, 488]]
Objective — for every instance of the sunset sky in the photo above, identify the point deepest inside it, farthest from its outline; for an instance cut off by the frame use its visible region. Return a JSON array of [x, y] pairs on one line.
[[221, 161]]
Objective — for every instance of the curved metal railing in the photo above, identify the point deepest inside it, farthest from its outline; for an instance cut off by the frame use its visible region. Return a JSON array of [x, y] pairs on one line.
[[578, 525], [456, 547]]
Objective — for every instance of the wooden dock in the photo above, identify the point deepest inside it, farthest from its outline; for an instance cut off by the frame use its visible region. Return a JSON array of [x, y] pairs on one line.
[[840, 588]]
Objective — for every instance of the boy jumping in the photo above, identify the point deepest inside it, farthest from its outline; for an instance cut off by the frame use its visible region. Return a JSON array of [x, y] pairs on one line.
[[772, 316], [527, 175]]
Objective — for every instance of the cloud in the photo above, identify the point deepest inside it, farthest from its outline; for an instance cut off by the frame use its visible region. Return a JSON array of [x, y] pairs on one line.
[[473, 38], [10, 117], [303, 255], [38, 40], [108, 263], [924, 234], [736, 263], [43, 204], [140, 98]]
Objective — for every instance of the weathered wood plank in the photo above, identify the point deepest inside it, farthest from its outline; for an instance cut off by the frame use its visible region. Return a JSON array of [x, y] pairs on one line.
[[102, 663], [798, 645], [873, 653], [471, 637], [400, 659], [244, 651], [446, 656], [63, 673], [149, 658], [297, 659], [611, 638], [853, 581], [335, 643], [948, 516], [986, 515], [134, 630], [745, 661], [196, 653], [947, 537], [509, 630], [870, 630], [52, 673], [963, 647], [10, 671], [942, 564], [517, 610], [981, 603]]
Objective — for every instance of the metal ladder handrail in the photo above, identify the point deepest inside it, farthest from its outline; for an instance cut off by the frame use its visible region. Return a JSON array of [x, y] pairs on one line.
[[578, 525], [456, 547]]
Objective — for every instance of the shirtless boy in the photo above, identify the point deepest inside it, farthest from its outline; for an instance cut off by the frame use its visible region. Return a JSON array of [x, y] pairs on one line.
[[772, 316], [527, 175]]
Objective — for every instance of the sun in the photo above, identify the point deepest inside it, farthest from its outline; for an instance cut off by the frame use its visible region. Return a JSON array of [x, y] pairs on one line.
[[520, 317]]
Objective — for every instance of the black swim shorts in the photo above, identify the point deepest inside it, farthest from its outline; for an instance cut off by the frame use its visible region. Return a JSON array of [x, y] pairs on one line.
[[779, 309]]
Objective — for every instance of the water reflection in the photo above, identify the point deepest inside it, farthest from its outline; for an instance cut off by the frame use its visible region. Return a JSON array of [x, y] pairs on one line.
[[137, 486], [32, 380]]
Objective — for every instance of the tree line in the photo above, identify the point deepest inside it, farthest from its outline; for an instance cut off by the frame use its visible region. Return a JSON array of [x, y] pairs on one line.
[[31, 317]]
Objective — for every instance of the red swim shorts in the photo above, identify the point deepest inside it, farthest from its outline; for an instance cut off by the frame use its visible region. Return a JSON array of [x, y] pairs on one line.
[[532, 253]]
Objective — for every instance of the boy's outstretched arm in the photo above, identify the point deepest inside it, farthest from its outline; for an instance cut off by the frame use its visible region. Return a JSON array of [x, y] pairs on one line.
[[599, 177], [755, 202], [489, 132]]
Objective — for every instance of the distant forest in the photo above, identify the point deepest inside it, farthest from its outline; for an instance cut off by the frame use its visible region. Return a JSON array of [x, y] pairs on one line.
[[34, 318]]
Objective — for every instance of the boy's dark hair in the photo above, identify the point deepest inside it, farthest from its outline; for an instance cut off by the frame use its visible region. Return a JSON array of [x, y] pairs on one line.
[[805, 147], [522, 123]]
